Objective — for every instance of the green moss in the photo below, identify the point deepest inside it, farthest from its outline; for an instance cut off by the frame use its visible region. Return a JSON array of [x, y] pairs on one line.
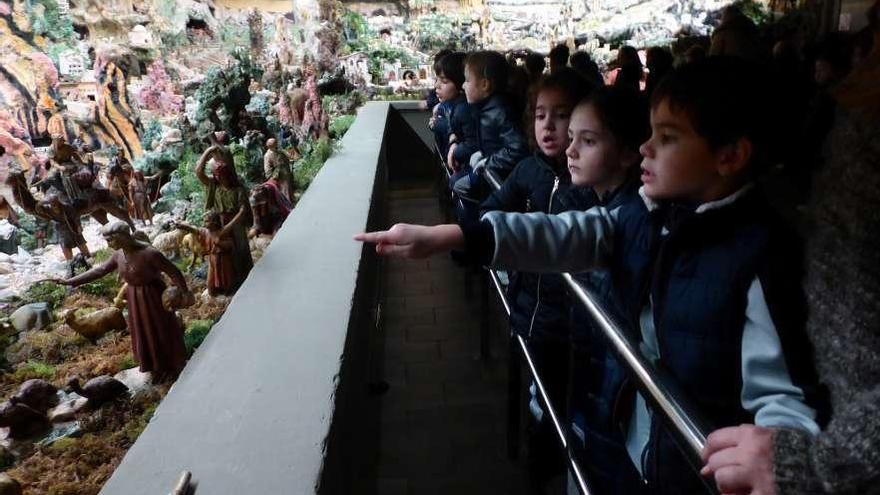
[[63, 444], [195, 334], [128, 362], [134, 428], [32, 369]]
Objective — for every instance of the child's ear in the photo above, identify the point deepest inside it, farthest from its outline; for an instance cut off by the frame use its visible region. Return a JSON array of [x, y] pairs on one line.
[[735, 157], [486, 85]]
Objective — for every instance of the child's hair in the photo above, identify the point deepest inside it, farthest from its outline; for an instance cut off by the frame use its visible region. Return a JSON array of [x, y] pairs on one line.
[[212, 216], [628, 55], [567, 81], [452, 67], [491, 66], [438, 57], [623, 112], [559, 55], [535, 64], [724, 99]]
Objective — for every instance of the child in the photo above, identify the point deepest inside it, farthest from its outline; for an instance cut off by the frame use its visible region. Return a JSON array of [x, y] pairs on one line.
[[501, 144], [453, 111], [139, 200], [701, 268], [606, 130], [538, 301], [220, 245]]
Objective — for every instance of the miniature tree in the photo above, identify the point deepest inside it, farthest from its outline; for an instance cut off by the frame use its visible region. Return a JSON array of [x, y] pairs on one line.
[[158, 95]]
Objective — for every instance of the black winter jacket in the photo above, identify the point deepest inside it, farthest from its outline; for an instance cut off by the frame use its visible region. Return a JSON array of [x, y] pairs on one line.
[[539, 302], [499, 136]]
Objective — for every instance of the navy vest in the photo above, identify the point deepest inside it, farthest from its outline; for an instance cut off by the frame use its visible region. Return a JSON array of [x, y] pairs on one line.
[[697, 277]]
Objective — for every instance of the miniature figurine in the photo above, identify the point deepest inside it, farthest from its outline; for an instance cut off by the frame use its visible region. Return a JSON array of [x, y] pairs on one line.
[[156, 333], [119, 176], [227, 196], [218, 240], [98, 202], [270, 208], [139, 199], [276, 166]]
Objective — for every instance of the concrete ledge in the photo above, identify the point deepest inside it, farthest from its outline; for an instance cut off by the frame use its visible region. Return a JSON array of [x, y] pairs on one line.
[[253, 409]]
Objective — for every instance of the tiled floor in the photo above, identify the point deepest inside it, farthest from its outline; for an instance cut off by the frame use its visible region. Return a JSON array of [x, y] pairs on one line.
[[443, 426]]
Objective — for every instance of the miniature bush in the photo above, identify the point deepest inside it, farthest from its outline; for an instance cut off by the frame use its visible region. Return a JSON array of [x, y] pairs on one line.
[[47, 20], [314, 154], [152, 132], [435, 32], [195, 334], [47, 292], [106, 287], [340, 125]]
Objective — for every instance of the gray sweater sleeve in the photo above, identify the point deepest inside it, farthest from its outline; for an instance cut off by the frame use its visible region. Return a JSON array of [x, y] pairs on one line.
[[573, 241], [842, 460]]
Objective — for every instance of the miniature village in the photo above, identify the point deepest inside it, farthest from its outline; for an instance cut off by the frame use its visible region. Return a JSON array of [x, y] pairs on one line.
[[149, 152]]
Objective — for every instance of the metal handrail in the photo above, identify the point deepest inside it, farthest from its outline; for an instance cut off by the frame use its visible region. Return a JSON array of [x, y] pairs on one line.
[[688, 430], [579, 478], [542, 392]]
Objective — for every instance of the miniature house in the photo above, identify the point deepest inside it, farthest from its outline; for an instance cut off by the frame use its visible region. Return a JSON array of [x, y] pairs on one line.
[[70, 63], [140, 37]]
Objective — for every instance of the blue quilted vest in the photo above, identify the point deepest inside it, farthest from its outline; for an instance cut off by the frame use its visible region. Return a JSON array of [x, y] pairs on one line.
[[697, 276]]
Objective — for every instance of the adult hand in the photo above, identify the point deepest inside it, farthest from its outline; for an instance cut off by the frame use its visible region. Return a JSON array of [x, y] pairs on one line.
[[740, 459], [414, 241]]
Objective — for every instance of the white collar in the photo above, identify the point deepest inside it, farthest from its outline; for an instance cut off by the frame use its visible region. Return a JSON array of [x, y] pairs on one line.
[[652, 205]]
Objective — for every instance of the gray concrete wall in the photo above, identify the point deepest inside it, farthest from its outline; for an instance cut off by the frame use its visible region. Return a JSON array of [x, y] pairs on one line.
[[268, 393]]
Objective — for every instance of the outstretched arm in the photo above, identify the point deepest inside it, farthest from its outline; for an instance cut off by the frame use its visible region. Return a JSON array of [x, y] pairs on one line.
[[93, 274], [185, 227], [574, 241], [415, 241]]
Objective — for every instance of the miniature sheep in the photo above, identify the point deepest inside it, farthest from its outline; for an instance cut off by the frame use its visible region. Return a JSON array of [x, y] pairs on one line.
[[94, 325]]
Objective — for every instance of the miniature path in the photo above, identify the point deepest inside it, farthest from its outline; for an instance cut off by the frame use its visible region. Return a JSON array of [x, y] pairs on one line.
[[443, 417]]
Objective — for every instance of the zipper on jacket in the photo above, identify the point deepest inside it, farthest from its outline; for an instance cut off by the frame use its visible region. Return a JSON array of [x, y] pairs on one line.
[[538, 290]]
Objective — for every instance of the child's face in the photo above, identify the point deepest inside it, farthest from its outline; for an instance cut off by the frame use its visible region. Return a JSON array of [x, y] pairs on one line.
[[678, 163], [552, 114], [594, 157], [446, 89], [476, 88]]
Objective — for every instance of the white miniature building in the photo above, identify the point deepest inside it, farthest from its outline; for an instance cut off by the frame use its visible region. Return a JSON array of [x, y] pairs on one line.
[[141, 37], [70, 63], [63, 7]]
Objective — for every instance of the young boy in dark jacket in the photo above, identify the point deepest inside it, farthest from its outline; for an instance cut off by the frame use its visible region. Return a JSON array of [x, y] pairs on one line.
[[501, 142], [453, 122], [704, 272]]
